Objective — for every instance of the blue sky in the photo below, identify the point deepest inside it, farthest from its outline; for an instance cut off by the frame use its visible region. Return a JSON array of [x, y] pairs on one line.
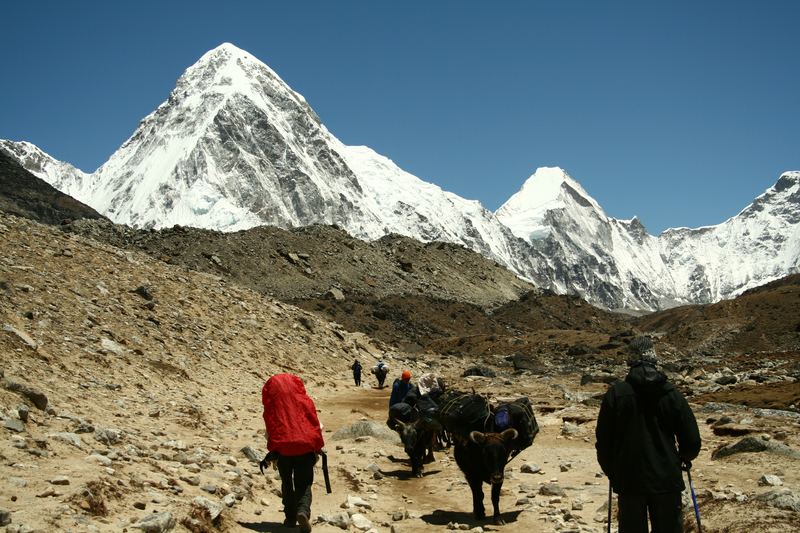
[[678, 112]]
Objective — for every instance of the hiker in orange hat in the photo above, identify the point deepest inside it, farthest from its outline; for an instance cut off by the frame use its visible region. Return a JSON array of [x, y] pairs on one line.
[[400, 388]]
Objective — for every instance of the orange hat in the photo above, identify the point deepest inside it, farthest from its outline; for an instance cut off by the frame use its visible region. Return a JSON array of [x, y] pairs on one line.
[[406, 375]]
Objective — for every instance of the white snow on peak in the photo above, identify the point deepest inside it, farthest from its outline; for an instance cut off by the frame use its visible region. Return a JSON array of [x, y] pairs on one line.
[[63, 176], [234, 147], [410, 206], [547, 189]]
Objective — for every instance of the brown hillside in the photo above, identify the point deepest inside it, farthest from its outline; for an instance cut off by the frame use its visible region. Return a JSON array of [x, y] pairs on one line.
[[25, 195], [152, 375], [306, 263], [765, 319]]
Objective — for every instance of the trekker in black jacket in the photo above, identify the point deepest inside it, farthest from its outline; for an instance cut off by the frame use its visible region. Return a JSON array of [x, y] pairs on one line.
[[639, 423]]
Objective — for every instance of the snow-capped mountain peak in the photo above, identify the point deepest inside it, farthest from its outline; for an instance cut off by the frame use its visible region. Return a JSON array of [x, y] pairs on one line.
[[546, 190], [235, 147]]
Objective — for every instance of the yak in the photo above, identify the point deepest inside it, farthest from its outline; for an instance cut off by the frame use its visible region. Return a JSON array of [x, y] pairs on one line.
[[418, 438], [483, 457]]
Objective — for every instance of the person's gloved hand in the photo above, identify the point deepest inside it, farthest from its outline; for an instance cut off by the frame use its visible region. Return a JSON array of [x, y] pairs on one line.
[[686, 465], [271, 457]]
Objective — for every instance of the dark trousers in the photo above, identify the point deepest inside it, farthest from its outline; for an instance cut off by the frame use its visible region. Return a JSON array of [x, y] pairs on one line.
[[297, 475], [664, 510], [357, 378]]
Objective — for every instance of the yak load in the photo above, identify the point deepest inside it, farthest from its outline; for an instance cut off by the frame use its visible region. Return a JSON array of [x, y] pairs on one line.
[[486, 437]]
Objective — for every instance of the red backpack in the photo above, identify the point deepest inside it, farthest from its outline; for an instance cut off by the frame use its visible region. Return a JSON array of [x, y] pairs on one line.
[[290, 416]]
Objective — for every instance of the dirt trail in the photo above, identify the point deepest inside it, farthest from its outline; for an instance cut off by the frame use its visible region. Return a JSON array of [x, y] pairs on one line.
[[442, 497]]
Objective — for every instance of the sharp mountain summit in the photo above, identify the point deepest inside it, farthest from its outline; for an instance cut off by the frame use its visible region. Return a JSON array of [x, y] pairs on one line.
[[234, 147]]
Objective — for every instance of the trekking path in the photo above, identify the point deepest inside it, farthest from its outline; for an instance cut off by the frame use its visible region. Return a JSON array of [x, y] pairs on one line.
[[561, 488], [130, 400]]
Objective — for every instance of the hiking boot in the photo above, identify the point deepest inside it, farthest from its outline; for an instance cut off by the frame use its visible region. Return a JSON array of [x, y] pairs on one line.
[[303, 523], [290, 522]]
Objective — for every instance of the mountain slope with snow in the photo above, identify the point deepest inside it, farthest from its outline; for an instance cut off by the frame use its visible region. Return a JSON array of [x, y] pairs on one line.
[[613, 262], [235, 147], [759, 245], [63, 176]]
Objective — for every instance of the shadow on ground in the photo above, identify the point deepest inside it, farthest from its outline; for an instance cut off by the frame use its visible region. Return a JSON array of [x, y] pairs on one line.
[[442, 518], [404, 474], [270, 527]]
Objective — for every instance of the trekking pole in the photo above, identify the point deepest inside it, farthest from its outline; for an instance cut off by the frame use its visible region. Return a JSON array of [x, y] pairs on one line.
[[608, 527], [688, 468], [325, 472]]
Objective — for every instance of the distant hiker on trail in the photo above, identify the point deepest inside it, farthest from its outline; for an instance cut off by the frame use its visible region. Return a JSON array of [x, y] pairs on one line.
[[381, 370], [639, 423], [294, 438], [356, 372], [400, 388]]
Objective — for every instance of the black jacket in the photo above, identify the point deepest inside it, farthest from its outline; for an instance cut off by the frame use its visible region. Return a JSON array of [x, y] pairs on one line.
[[640, 420]]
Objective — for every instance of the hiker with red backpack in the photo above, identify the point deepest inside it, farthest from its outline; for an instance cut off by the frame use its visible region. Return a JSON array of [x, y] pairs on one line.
[[294, 438]]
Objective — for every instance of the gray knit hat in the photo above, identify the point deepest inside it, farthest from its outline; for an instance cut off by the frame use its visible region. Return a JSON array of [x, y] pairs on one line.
[[642, 349]]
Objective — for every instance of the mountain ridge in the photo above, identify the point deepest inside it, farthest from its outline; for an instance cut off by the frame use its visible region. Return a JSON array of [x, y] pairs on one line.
[[234, 147]]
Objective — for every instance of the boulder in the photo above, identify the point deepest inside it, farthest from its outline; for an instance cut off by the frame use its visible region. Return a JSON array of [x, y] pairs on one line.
[[156, 523], [367, 428], [551, 489], [253, 455], [754, 445], [335, 294], [361, 522], [479, 371], [772, 481], [529, 468], [782, 499], [20, 335], [108, 436], [212, 508], [34, 395], [14, 425]]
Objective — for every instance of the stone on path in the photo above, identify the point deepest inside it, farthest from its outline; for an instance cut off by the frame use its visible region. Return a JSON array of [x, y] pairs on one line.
[[13, 424], [69, 438], [781, 498], [361, 522], [156, 523], [753, 445], [368, 428], [551, 489], [530, 468], [214, 509], [772, 481]]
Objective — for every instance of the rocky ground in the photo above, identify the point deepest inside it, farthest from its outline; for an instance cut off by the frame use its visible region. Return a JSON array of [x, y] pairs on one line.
[[130, 401], [321, 262]]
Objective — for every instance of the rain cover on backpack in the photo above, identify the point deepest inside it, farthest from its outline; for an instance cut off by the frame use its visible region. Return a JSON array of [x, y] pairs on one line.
[[290, 416], [518, 415]]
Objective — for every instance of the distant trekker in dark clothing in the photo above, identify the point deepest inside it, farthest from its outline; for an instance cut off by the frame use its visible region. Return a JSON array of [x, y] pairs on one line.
[[381, 370], [639, 423], [356, 372]]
